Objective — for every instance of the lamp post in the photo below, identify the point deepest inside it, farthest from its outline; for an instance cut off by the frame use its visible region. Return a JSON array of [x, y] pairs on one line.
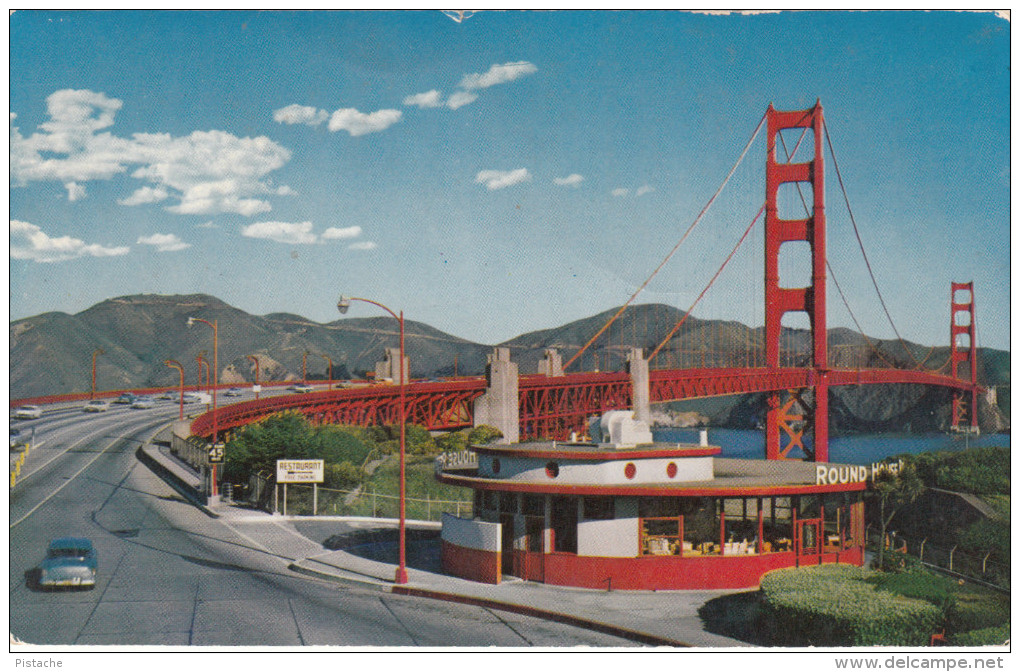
[[329, 377], [214, 325], [343, 305], [180, 397], [201, 360], [256, 360], [99, 351]]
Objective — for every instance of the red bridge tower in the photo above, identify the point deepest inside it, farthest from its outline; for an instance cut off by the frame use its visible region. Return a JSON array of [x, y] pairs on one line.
[[961, 323], [811, 300]]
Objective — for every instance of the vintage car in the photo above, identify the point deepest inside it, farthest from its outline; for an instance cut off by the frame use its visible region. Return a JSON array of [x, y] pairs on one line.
[[69, 561]]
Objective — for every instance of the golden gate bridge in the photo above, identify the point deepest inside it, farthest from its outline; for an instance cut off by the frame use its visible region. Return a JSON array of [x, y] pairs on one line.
[[795, 370]]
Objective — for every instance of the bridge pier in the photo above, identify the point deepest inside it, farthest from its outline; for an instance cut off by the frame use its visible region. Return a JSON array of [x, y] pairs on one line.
[[551, 365], [637, 367], [499, 407], [388, 367]]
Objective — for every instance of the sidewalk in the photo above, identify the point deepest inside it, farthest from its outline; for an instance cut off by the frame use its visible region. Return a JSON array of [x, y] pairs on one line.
[[662, 618]]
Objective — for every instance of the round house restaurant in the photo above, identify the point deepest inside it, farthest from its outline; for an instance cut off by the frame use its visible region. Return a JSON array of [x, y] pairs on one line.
[[623, 512]]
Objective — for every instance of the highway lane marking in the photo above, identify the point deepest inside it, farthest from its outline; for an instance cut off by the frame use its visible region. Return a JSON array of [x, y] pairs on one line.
[[70, 447], [63, 485]]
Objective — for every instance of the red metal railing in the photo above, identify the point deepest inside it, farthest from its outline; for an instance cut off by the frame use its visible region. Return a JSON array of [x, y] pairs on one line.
[[549, 407]]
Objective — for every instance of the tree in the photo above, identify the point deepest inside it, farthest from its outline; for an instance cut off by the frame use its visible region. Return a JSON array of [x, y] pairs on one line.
[[894, 490]]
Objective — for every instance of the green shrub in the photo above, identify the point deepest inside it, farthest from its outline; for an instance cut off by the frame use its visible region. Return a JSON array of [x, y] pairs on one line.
[[918, 584], [834, 605], [976, 611], [483, 434], [996, 636]]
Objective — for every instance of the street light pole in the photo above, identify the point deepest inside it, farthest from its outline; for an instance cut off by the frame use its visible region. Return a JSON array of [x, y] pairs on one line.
[[342, 305], [99, 351], [177, 365], [201, 360], [256, 360], [329, 383], [216, 349]]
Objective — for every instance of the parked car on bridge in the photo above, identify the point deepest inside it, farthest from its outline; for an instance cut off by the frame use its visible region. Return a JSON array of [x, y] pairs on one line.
[[301, 389], [197, 398], [233, 392], [126, 398], [96, 406], [28, 412], [69, 561]]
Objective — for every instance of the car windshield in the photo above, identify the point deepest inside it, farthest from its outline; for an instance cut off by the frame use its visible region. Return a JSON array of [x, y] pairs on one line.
[[66, 553]]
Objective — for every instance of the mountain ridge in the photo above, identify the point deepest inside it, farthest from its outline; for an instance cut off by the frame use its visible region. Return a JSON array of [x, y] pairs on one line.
[[51, 352]]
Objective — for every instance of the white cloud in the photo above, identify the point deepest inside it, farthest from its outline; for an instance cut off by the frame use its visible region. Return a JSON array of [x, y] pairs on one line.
[[74, 191], [364, 245], [427, 99], [620, 192], [336, 233], [164, 242], [145, 195], [359, 123], [299, 233], [28, 241], [642, 190], [498, 74], [208, 225], [460, 99], [572, 180], [498, 179], [209, 171], [300, 114]]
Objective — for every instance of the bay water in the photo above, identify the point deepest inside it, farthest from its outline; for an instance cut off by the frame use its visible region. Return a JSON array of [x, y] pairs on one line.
[[846, 449]]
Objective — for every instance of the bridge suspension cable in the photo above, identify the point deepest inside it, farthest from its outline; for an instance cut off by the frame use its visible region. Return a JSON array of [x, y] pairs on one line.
[[675, 247], [867, 263], [828, 265], [710, 283]]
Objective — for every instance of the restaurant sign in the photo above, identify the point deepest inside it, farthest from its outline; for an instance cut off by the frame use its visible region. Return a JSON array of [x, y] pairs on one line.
[[826, 474], [299, 471]]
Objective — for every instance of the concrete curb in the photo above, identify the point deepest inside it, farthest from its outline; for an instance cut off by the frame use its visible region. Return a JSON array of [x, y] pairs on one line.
[[180, 485], [326, 575], [567, 619]]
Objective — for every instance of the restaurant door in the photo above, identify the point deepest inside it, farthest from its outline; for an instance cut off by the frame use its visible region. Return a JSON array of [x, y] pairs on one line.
[[534, 556], [809, 541], [507, 549]]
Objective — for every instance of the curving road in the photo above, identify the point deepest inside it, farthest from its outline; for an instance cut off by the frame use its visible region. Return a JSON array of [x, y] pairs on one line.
[[170, 575]]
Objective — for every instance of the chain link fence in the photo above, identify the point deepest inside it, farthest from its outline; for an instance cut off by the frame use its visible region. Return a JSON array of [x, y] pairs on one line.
[[967, 564], [308, 500]]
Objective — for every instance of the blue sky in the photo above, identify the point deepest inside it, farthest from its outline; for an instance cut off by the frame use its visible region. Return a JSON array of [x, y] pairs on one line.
[[507, 173]]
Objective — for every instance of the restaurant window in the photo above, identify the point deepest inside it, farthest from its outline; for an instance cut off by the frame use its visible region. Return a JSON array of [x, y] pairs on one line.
[[490, 500], [533, 505], [508, 502], [564, 524], [777, 524], [741, 525], [599, 508], [701, 532]]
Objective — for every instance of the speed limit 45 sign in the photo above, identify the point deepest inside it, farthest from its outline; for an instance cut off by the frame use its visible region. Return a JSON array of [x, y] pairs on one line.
[[216, 453]]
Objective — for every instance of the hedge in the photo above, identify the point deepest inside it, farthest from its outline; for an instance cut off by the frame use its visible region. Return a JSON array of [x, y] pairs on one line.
[[833, 605], [996, 636]]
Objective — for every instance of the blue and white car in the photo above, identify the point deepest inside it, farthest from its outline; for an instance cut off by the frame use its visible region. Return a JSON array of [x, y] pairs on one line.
[[69, 561]]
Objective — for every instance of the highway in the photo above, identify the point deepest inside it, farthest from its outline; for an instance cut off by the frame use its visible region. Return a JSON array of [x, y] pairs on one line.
[[171, 575]]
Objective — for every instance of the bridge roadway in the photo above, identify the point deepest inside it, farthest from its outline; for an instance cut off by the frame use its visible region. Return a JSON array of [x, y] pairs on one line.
[[170, 575], [549, 406]]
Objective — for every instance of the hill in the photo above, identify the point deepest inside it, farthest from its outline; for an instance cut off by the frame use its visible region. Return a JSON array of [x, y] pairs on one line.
[[51, 354]]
